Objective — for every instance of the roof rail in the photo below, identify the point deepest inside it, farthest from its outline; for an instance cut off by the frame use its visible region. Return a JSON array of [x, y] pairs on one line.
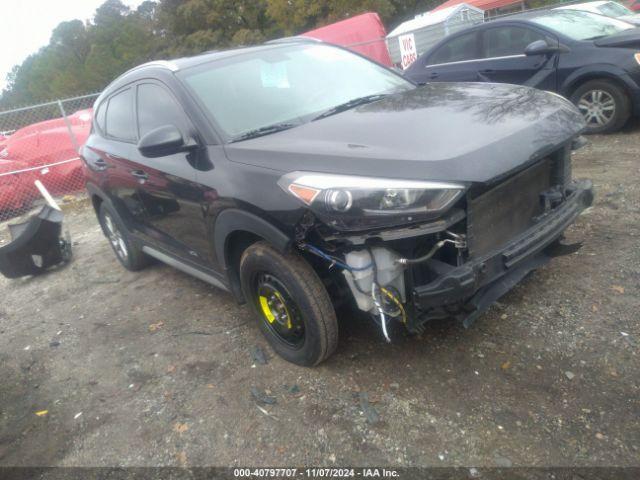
[[294, 39], [528, 10], [157, 63]]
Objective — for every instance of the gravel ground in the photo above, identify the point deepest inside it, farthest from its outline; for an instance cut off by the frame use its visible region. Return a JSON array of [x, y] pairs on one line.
[[157, 368]]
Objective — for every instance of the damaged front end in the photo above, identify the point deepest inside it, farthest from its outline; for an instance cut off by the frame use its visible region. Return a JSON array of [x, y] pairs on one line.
[[453, 257]]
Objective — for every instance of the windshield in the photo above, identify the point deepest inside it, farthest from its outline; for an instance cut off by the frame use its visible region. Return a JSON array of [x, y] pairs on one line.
[[581, 25], [613, 9], [285, 85]]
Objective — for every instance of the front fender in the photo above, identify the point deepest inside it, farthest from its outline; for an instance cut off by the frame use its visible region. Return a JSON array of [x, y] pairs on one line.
[[234, 220], [604, 71], [592, 72]]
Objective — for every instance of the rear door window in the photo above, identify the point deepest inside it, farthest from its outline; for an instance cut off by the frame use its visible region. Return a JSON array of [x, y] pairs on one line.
[[458, 49], [157, 108], [119, 122], [508, 41]]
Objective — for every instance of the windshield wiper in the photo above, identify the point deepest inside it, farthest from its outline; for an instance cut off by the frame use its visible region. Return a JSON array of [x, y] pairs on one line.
[[350, 104], [259, 132]]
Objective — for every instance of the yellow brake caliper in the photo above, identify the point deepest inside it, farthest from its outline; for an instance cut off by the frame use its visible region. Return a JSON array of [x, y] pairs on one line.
[[266, 309]]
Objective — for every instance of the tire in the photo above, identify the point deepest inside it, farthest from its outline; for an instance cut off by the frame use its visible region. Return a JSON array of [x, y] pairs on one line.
[[127, 252], [301, 324], [592, 97]]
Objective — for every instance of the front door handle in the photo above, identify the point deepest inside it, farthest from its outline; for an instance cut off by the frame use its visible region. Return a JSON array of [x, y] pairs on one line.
[[140, 175], [487, 71], [100, 164], [434, 75]]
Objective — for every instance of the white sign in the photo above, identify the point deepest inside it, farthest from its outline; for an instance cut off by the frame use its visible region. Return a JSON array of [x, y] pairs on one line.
[[408, 51]]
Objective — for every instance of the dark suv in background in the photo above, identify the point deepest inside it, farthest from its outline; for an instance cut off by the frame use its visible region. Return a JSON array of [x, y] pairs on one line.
[[591, 59], [300, 176]]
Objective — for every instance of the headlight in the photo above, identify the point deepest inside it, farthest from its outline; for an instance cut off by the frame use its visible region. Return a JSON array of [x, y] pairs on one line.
[[637, 57], [355, 203]]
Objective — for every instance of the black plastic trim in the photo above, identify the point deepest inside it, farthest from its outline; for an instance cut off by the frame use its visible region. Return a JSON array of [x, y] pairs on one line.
[[233, 220], [461, 283]]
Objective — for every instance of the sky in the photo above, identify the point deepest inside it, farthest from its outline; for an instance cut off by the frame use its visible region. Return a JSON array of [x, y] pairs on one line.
[[27, 26]]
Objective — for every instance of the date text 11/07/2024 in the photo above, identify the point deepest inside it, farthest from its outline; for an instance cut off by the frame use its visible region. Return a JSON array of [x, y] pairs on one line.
[[315, 473]]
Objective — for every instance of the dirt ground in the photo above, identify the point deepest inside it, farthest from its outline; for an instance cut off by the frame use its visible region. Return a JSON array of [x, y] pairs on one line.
[[156, 368]]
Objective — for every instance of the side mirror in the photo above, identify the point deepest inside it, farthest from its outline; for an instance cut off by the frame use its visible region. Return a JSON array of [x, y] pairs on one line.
[[540, 47], [163, 141]]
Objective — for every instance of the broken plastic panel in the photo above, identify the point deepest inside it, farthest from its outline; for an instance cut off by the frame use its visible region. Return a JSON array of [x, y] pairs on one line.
[[36, 245]]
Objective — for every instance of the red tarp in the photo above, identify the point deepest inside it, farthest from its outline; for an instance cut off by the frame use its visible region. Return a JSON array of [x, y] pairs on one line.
[[45, 144], [364, 34]]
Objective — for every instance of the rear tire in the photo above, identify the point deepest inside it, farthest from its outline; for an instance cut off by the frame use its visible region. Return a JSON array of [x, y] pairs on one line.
[[604, 104], [292, 306], [127, 252]]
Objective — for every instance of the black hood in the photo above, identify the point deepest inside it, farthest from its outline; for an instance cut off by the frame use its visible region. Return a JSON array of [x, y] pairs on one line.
[[449, 132], [625, 39]]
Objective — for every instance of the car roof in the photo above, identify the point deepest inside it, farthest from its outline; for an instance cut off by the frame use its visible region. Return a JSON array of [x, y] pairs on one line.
[[596, 3], [585, 5], [515, 17], [519, 17], [171, 66], [522, 16], [211, 56], [214, 55]]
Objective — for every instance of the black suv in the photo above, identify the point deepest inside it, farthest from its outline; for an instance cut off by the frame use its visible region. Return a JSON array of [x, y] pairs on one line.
[[300, 176]]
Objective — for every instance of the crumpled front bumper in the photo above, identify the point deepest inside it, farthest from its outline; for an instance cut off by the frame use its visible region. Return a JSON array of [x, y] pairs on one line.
[[480, 282]]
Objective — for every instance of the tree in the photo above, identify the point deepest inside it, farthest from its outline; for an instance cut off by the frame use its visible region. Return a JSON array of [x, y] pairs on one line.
[[83, 57], [295, 16], [193, 26], [109, 12]]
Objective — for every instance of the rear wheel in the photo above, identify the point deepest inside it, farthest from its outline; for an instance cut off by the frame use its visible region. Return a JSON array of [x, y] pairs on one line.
[[604, 105], [127, 252], [292, 306]]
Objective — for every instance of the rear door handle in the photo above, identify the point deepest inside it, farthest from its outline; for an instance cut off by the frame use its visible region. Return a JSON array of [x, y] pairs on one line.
[[434, 75], [488, 70], [140, 174]]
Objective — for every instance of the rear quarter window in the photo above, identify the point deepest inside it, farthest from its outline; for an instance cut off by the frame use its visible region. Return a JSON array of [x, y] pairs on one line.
[[119, 118]]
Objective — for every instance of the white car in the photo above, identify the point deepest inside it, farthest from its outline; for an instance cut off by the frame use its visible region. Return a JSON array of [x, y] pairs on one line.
[[607, 8]]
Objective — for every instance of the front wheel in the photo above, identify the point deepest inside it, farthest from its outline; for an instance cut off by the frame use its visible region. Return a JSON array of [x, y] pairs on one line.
[[292, 306], [604, 105]]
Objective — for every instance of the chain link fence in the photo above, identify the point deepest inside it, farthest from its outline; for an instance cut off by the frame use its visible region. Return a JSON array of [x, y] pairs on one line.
[[41, 142]]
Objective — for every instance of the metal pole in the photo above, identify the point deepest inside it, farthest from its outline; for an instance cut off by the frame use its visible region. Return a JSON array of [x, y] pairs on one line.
[[74, 140]]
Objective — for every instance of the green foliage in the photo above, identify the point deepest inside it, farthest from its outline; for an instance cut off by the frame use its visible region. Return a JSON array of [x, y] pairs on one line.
[[83, 57], [86, 57]]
